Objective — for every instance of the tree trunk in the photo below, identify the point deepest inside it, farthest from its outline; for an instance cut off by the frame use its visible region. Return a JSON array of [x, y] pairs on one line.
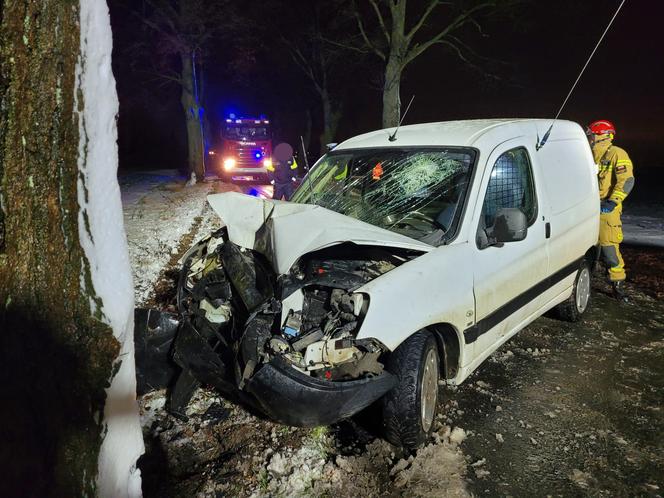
[[57, 351], [394, 66], [331, 117], [391, 96], [192, 112]]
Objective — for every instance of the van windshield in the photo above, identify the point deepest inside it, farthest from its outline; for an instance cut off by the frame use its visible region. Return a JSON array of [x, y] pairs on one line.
[[417, 192]]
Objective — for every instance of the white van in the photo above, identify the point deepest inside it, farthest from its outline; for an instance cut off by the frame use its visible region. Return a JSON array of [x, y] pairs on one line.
[[399, 262]]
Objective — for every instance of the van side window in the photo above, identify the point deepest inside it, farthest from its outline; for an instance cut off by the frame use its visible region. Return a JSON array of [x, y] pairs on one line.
[[510, 186]]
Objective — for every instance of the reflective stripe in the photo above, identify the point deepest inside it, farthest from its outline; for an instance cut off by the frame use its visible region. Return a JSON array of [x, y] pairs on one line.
[[294, 165], [624, 161], [343, 174], [619, 195], [270, 168]]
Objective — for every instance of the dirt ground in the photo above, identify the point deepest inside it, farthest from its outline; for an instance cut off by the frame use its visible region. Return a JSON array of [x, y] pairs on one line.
[[645, 266]]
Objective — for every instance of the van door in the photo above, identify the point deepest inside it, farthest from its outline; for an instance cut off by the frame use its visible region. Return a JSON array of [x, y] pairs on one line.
[[506, 277]]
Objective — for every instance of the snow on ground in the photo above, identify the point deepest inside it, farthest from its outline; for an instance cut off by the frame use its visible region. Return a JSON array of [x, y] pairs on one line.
[[316, 469], [222, 450], [159, 211], [643, 224]]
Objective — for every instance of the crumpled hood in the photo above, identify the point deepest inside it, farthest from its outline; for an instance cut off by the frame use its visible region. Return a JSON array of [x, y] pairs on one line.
[[284, 231]]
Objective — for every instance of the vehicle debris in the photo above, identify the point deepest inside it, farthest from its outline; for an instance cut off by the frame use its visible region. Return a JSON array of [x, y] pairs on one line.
[[285, 344]]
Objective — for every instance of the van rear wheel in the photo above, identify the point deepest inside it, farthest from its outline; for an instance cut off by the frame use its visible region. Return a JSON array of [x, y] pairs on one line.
[[576, 305], [409, 409]]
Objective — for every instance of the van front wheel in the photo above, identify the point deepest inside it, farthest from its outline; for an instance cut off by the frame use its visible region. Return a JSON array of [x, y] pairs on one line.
[[409, 410], [576, 305]]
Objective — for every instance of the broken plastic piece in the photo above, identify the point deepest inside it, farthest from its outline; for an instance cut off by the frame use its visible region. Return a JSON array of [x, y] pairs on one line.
[[181, 394], [219, 314], [154, 332]]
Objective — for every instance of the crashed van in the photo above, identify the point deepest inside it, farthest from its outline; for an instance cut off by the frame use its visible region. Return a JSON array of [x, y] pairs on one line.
[[402, 260]]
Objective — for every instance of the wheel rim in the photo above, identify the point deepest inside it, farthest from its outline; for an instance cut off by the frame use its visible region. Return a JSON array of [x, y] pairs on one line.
[[583, 290], [429, 392]]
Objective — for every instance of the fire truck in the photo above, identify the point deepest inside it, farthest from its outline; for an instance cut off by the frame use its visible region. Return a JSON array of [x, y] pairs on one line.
[[246, 150]]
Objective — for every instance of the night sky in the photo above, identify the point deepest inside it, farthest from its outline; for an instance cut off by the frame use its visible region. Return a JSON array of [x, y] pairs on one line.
[[541, 49]]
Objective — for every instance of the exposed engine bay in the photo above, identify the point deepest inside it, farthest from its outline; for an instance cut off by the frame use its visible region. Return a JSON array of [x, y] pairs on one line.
[[285, 343]]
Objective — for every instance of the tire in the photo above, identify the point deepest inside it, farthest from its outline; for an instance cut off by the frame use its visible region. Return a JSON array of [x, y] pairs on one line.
[[406, 421], [577, 304]]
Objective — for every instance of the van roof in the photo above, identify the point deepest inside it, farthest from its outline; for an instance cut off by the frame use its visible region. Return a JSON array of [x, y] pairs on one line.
[[466, 133]]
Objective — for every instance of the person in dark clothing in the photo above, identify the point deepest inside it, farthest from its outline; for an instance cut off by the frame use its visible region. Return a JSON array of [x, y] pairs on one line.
[[283, 171]]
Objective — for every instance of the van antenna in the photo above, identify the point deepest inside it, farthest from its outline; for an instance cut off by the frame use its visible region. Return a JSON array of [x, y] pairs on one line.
[[393, 136], [306, 164], [540, 143]]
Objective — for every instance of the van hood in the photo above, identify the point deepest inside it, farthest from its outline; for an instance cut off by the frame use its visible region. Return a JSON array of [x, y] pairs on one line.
[[284, 231]]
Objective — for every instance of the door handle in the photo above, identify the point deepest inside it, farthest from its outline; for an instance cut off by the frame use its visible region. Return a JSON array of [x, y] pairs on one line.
[[547, 229]]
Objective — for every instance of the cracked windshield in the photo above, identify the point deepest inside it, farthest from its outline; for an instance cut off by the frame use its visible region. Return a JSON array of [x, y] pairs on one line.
[[415, 192]]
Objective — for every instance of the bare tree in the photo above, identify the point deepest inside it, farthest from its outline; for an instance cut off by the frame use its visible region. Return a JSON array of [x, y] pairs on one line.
[[387, 33], [183, 30], [319, 59]]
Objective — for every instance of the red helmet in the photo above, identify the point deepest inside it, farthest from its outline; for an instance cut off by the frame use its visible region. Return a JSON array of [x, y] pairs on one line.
[[601, 127]]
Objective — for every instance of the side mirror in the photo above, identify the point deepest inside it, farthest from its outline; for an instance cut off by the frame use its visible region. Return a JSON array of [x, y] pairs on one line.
[[510, 225]]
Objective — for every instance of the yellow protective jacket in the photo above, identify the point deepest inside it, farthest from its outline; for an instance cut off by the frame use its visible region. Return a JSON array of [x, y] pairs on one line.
[[616, 175]]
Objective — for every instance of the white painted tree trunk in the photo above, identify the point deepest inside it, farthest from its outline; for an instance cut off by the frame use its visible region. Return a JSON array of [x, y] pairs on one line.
[[105, 247]]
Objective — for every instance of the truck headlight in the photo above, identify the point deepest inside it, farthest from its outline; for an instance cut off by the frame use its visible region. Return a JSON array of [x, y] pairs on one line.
[[229, 163]]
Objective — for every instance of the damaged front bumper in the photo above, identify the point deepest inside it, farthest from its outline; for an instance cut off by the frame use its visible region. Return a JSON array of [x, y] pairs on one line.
[[283, 344], [293, 398], [278, 390]]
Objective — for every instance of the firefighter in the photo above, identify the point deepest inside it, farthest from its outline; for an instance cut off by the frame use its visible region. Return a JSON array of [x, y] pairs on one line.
[[616, 181], [283, 171]]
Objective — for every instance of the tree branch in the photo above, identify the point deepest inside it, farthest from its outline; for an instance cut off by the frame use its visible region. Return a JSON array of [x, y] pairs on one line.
[[172, 37], [478, 26], [467, 61], [455, 24], [159, 9], [423, 19], [375, 49], [301, 61], [381, 20], [162, 76], [343, 45], [472, 52]]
